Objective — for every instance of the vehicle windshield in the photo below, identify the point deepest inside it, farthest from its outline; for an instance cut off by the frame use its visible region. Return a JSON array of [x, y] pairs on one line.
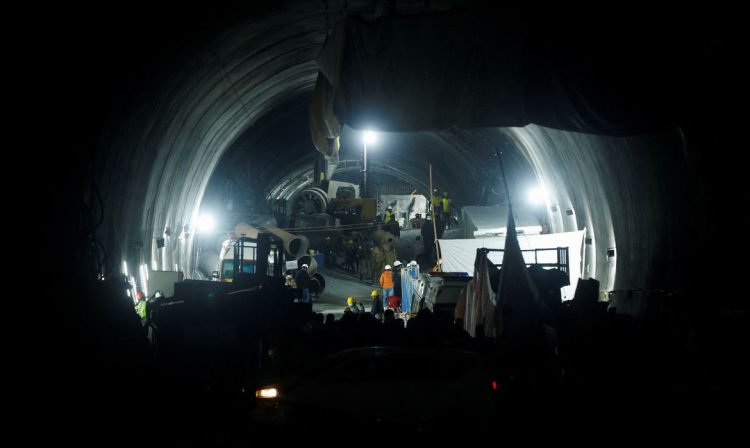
[[227, 268]]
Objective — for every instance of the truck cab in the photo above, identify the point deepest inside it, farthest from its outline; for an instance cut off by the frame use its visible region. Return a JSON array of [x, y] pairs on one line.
[[239, 256]]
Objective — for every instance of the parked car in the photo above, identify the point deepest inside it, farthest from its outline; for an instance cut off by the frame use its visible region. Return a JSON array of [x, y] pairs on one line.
[[403, 389]]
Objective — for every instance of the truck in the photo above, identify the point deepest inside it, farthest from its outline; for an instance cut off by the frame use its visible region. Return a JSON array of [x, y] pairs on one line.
[[213, 335], [245, 249], [163, 281]]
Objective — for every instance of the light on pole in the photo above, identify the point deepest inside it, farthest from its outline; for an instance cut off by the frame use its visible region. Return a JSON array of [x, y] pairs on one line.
[[368, 137]]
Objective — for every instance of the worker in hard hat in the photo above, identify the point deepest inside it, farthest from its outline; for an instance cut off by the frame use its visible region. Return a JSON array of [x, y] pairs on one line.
[[447, 209], [397, 278], [329, 255], [140, 306], [377, 305], [354, 306], [388, 216], [386, 281], [349, 256], [416, 221], [302, 279], [437, 202]]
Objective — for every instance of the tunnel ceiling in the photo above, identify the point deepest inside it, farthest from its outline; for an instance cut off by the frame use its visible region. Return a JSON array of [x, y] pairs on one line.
[[277, 150], [168, 96]]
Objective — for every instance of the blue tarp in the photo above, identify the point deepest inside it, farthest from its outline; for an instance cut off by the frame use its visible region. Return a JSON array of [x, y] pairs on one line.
[[408, 276]]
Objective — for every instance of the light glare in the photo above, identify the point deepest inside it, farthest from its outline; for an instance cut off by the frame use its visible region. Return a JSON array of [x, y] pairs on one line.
[[537, 196], [206, 223], [370, 137], [270, 392]]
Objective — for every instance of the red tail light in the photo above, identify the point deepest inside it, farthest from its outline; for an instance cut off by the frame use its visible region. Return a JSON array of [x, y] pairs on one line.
[[494, 385]]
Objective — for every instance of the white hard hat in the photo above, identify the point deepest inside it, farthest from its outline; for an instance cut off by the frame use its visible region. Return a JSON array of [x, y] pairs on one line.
[[305, 266], [413, 263], [387, 266], [396, 263]]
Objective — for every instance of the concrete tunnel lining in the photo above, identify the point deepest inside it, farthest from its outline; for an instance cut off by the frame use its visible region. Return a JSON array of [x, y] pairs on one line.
[[136, 108], [171, 143]]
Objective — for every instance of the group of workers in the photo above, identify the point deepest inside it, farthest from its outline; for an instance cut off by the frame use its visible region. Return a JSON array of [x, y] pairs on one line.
[[442, 206], [388, 298], [352, 255], [377, 308]]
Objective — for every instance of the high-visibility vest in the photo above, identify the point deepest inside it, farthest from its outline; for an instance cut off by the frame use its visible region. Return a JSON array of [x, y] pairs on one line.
[[388, 216], [437, 202], [447, 204], [140, 309]]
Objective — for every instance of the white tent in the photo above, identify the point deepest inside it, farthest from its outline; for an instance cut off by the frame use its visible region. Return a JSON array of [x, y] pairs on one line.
[[491, 220], [459, 255]]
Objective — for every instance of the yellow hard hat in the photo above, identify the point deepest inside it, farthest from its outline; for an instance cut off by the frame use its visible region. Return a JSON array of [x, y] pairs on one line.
[[350, 301], [375, 293]]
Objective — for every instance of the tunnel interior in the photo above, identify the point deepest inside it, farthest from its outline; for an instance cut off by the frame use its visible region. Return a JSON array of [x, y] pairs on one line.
[[232, 99], [166, 104], [156, 116]]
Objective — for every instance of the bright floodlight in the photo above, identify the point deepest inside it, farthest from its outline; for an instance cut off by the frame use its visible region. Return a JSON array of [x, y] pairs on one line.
[[370, 137], [206, 223], [537, 196]]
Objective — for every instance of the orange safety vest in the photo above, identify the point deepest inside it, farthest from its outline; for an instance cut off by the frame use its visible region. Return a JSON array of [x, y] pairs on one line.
[[386, 279]]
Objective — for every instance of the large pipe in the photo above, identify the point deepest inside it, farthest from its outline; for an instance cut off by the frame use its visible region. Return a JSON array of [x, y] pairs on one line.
[[312, 264], [294, 245]]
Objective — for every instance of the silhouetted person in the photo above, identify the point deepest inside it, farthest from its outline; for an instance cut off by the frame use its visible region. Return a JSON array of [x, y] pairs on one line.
[[397, 278], [377, 305], [428, 240], [302, 278]]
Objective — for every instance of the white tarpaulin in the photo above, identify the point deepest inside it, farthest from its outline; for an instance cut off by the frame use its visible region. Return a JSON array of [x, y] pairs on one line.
[[489, 220], [459, 255], [404, 205]]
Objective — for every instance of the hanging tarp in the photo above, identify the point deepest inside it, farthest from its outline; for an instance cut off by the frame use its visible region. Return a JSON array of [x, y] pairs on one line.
[[487, 66], [460, 255], [520, 309], [478, 305]]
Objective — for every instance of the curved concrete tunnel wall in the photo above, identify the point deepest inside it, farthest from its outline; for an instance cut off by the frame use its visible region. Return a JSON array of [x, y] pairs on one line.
[[629, 194], [173, 141]]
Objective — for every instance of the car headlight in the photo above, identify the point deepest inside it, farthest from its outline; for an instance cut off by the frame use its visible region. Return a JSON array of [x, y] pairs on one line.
[[267, 392]]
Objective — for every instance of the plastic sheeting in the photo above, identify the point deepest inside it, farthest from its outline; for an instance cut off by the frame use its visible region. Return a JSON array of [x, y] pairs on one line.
[[459, 255], [490, 66], [405, 204], [478, 305], [409, 276], [480, 220]]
